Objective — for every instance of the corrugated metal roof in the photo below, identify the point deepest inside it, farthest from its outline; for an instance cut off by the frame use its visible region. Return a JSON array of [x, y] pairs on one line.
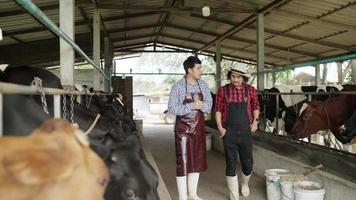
[[290, 34]]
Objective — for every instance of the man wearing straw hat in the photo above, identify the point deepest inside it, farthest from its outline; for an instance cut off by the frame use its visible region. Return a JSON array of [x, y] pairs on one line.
[[237, 112]]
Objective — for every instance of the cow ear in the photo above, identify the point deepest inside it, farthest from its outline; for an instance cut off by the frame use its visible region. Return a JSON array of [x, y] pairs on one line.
[[38, 165]]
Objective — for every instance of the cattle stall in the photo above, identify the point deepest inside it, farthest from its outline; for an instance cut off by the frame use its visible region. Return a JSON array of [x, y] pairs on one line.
[[66, 104], [291, 113], [268, 36]]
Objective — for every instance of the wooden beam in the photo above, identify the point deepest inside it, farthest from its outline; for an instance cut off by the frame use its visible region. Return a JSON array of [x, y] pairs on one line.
[[279, 33], [244, 22], [239, 39], [80, 23], [172, 9], [316, 20], [11, 13]]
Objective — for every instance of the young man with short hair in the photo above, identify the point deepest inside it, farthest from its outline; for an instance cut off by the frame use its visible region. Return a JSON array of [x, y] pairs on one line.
[[189, 99]]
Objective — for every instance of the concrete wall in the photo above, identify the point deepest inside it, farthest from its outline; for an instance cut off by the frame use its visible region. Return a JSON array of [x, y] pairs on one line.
[[336, 187], [81, 77]]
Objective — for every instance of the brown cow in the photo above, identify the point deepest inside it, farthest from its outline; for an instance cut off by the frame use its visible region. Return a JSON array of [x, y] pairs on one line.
[[53, 163], [325, 115]]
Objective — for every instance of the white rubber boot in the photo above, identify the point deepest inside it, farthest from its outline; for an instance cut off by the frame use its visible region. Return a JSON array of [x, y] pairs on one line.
[[182, 187], [245, 190], [193, 179], [233, 186]]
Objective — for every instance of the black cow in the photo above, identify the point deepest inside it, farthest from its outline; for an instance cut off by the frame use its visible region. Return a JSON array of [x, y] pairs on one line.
[[348, 130], [114, 137]]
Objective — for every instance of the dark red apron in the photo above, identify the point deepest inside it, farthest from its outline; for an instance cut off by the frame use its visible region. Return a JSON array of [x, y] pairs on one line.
[[190, 138]]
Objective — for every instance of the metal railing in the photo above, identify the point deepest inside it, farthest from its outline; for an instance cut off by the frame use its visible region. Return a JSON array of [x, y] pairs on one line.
[[36, 12], [308, 96], [10, 88]]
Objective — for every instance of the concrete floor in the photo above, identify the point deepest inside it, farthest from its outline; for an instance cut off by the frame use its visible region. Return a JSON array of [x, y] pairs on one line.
[[212, 185]]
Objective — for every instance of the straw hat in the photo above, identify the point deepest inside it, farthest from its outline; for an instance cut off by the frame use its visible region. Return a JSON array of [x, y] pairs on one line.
[[241, 70]]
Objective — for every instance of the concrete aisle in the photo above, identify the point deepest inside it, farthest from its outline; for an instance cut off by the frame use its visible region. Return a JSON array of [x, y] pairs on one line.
[[212, 185]]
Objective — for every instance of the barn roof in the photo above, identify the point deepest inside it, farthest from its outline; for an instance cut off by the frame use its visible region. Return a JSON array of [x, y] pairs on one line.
[[295, 31]]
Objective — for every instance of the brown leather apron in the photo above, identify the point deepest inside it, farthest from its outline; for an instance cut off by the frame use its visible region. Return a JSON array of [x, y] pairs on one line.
[[190, 138]]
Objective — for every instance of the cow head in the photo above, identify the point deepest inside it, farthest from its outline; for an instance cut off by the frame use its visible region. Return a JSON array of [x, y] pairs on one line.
[[311, 120], [132, 177], [348, 130], [55, 159], [269, 104]]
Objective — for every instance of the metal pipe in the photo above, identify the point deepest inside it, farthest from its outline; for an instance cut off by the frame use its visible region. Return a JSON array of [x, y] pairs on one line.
[[277, 114], [10, 88], [309, 93], [148, 73], [57, 106], [36, 12], [337, 58], [1, 115]]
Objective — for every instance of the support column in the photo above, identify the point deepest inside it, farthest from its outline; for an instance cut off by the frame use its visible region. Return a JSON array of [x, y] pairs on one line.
[[98, 79], [339, 73], [353, 67], [260, 52], [325, 73], [218, 66], [109, 55], [317, 75], [273, 79], [66, 21]]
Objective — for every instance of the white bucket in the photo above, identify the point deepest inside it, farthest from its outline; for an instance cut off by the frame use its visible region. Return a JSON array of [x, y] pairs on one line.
[[308, 190], [209, 141], [287, 184], [273, 183]]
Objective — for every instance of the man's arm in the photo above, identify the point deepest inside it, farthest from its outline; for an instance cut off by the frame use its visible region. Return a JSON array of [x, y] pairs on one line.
[[219, 108], [255, 106], [208, 100], [175, 103]]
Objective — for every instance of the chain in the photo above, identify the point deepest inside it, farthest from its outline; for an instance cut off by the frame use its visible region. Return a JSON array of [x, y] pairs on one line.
[[64, 106], [37, 82], [44, 101], [72, 108]]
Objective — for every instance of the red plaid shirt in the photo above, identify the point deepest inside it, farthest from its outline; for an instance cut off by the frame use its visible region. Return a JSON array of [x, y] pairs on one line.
[[237, 96]]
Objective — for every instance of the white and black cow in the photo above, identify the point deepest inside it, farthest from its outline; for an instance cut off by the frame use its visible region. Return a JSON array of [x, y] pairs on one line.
[[289, 105], [114, 137]]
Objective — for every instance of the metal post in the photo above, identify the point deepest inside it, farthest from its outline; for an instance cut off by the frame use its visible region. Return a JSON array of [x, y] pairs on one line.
[[1, 116], [317, 75], [108, 53], [339, 73], [57, 106], [96, 49], [353, 67], [277, 114], [273, 79], [260, 52], [66, 18], [36, 12], [218, 66]]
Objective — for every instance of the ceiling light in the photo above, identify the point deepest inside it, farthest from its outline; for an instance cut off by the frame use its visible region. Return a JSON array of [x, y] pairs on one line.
[[0, 34], [206, 11]]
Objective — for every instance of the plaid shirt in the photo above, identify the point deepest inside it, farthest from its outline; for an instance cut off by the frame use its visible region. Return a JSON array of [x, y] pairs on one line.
[[236, 96]]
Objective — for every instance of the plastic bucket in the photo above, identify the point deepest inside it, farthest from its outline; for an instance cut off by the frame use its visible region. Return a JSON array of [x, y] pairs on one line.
[[209, 141], [287, 185], [273, 177], [308, 190]]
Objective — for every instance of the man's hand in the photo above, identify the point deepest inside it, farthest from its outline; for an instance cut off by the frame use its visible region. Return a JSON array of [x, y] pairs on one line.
[[198, 105], [222, 131], [254, 126]]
